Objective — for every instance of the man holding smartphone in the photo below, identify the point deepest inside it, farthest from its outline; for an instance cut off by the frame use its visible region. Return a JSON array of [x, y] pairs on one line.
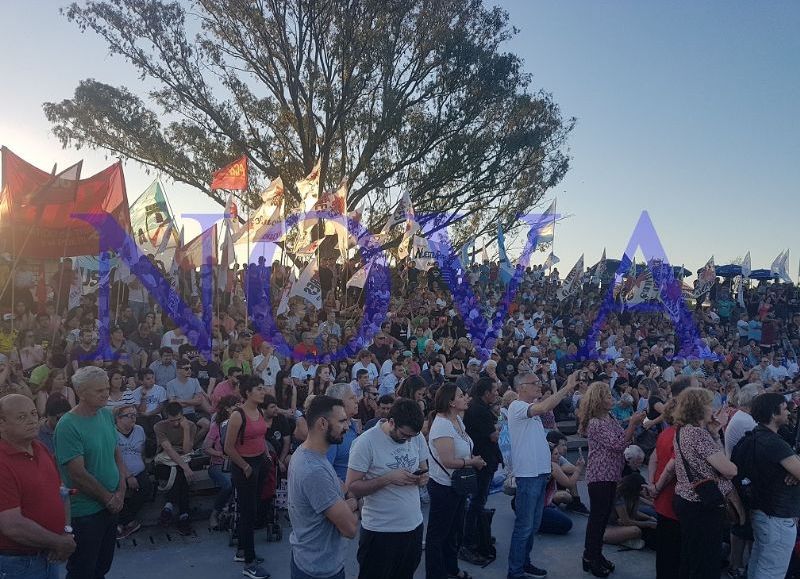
[[387, 466]]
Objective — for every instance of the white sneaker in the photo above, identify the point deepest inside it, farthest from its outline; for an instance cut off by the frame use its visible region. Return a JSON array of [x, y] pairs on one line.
[[636, 544]]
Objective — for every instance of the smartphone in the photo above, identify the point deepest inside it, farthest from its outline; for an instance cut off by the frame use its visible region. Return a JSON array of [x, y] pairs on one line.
[[420, 472]]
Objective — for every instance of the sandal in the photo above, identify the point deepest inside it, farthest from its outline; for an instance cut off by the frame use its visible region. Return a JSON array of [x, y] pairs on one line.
[[461, 575]]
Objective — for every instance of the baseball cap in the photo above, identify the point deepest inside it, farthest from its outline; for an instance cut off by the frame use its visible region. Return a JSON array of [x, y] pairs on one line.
[[474, 362]]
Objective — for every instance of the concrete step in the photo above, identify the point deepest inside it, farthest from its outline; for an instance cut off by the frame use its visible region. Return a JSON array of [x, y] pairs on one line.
[[568, 427], [575, 441]]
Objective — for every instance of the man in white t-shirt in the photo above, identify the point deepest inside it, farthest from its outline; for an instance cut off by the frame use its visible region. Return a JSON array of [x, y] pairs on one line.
[[381, 469], [530, 463], [302, 372], [741, 422], [365, 363], [267, 365]]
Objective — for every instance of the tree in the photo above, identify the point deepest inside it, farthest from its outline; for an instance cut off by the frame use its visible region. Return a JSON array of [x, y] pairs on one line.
[[392, 94]]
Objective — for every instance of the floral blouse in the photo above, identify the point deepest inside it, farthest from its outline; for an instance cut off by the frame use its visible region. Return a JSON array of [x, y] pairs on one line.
[[696, 446], [606, 443]]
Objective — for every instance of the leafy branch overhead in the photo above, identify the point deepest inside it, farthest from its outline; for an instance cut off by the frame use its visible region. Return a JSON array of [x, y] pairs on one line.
[[413, 95]]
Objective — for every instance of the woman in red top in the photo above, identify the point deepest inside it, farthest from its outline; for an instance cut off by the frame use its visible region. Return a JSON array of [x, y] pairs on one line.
[[246, 445]]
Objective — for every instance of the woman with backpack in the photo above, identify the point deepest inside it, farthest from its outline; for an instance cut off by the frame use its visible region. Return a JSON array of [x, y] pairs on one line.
[[245, 445]]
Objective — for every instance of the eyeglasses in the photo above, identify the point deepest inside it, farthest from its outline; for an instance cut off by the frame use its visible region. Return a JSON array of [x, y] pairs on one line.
[[187, 368], [128, 415]]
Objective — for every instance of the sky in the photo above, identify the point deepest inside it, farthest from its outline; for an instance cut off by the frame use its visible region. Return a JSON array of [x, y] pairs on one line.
[[689, 110]]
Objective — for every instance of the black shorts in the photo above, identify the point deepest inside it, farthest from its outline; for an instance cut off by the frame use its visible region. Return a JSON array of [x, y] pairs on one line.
[[195, 417]]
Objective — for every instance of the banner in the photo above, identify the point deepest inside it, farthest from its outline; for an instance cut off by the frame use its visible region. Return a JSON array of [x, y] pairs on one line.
[[308, 188], [29, 185], [423, 255], [550, 261], [642, 289], [779, 267], [152, 224], [746, 266], [199, 250], [265, 217], [359, 278], [548, 229], [48, 231], [706, 279], [308, 285], [572, 282], [600, 270], [401, 213], [232, 176]]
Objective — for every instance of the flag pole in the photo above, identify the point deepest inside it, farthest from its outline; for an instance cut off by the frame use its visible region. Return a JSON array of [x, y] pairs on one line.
[[553, 244]]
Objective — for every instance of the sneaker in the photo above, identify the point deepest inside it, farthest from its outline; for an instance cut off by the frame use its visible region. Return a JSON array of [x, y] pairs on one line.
[[166, 517], [635, 544], [471, 556], [124, 531], [239, 558], [534, 571], [577, 506], [255, 572]]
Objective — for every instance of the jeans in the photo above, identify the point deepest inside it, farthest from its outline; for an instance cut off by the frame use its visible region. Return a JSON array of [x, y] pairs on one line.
[[27, 567], [554, 522], [223, 482], [298, 573], [474, 518], [135, 499], [96, 538], [445, 525], [389, 555], [701, 539], [529, 504], [601, 502], [249, 492], [178, 495], [772, 547]]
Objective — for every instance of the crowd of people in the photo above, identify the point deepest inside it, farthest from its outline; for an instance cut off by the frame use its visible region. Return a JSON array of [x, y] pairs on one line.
[[692, 456]]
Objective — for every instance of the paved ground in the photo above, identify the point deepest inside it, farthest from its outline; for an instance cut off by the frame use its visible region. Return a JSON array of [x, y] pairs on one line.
[[207, 555]]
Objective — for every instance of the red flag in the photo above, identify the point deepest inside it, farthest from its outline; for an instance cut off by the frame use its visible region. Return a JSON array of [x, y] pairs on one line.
[[233, 176], [49, 230]]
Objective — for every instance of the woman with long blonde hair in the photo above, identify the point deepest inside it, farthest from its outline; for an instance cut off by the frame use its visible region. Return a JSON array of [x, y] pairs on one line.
[[607, 441]]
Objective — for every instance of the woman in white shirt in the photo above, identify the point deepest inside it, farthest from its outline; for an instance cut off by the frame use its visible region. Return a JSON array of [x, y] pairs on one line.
[[451, 449]]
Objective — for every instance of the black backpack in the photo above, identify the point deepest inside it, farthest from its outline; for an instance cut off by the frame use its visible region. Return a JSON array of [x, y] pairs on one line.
[[743, 456]]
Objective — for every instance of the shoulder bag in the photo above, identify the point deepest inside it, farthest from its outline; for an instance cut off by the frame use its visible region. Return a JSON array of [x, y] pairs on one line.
[[463, 481], [707, 488]]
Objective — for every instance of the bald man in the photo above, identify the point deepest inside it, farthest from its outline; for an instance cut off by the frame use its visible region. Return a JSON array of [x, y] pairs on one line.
[[33, 536]]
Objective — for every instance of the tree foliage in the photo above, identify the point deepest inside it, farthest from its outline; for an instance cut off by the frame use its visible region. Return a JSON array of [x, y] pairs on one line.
[[396, 95]]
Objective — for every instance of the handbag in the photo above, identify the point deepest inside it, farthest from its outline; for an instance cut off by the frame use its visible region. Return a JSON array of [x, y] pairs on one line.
[[164, 459], [706, 489], [463, 481]]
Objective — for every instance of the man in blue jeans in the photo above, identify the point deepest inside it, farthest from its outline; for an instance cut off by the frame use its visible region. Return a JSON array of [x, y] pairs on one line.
[[530, 463], [773, 469], [33, 538]]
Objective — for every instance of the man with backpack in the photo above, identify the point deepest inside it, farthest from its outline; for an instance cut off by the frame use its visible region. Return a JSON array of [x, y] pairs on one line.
[[769, 472]]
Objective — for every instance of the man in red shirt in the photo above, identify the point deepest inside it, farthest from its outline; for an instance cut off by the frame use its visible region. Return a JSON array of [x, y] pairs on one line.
[[33, 538]]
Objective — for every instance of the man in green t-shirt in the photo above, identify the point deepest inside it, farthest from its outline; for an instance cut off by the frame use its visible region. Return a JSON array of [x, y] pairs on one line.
[[90, 461]]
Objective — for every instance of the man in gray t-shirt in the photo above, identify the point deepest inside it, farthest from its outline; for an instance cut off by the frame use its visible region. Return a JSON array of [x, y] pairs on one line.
[[388, 464], [319, 513]]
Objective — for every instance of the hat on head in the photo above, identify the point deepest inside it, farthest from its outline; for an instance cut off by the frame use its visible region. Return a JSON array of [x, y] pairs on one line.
[[474, 362], [407, 354]]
